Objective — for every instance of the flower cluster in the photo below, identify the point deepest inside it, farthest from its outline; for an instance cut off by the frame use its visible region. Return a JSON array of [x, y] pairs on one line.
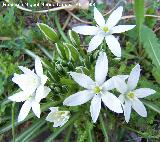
[[98, 90]]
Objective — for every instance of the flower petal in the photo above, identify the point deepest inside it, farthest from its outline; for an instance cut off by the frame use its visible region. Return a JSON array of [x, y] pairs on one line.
[[121, 98], [27, 82], [95, 42], [38, 66], [144, 92], [25, 70], [50, 117], [139, 108], [101, 68], [112, 102], [95, 107], [19, 97], [41, 92], [79, 98], [36, 108], [113, 45], [82, 79], [24, 110], [86, 30], [120, 85], [108, 85], [114, 17], [99, 17], [134, 77], [122, 28], [127, 110], [54, 109]]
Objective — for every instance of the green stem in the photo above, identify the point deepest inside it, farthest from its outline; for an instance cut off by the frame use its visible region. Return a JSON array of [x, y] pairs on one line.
[[60, 28], [103, 127], [89, 136], [45, 51], [13, 125], [68, 135]]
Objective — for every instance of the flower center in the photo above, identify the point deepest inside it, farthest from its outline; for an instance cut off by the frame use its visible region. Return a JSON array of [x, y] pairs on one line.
[[97, 89], [105, 29], [130, 95]]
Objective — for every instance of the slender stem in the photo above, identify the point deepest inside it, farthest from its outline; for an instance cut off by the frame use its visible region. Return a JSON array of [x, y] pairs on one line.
[[103, 127], [45, 51], [68, 135], [13, 125], [89, 136], [60, 28]]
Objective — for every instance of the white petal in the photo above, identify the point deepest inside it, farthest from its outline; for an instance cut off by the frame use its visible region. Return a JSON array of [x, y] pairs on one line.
[[112, 102], [50, 117], [25, 70], [95, 42], [121, 98], [114, 17], [144, 92], [27, 82], [108, 85], [95, 107], [120, 85], [134, 77], [123, 77], [41, 92], [43, 79], [86, 30], [139, 108], [101, 68], [99, 17], [19, 97], [79, 98], [54, 109], [24, 111], [122, 28], [36, 108], [127, 110], [38, 66], [82, 79], [113, 45]]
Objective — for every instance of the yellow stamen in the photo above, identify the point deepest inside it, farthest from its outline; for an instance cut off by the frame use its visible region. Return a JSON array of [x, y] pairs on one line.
[[97, 90], [105, 29], [131, 95]]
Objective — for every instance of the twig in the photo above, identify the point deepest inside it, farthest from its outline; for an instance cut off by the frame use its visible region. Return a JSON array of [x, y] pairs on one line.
[[66, 22]]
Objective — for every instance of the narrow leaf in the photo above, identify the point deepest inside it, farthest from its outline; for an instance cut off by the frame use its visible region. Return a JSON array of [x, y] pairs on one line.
[[48, 32]]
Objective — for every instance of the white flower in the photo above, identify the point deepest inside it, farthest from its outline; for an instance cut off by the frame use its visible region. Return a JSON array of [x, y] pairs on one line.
[[97, 91], [130, 97], [58, 117], [33, 89], [105, 30]]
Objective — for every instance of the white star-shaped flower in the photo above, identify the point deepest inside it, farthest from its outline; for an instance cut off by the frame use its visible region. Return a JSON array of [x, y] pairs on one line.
[[130, 96], [104, 30], [97, 91], [58, 117], [33, 89]]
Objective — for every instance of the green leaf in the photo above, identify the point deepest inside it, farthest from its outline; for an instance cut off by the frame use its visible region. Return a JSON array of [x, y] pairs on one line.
[[60, 49], [74, 38], [48, 32], [73, 51], [152, 106], [139, 12], [151, 45]]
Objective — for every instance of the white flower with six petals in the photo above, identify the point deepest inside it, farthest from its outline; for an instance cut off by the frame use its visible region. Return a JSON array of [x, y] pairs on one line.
[[97, 91], [130, 97], [105, 30], [33, 89], [58, 117]]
